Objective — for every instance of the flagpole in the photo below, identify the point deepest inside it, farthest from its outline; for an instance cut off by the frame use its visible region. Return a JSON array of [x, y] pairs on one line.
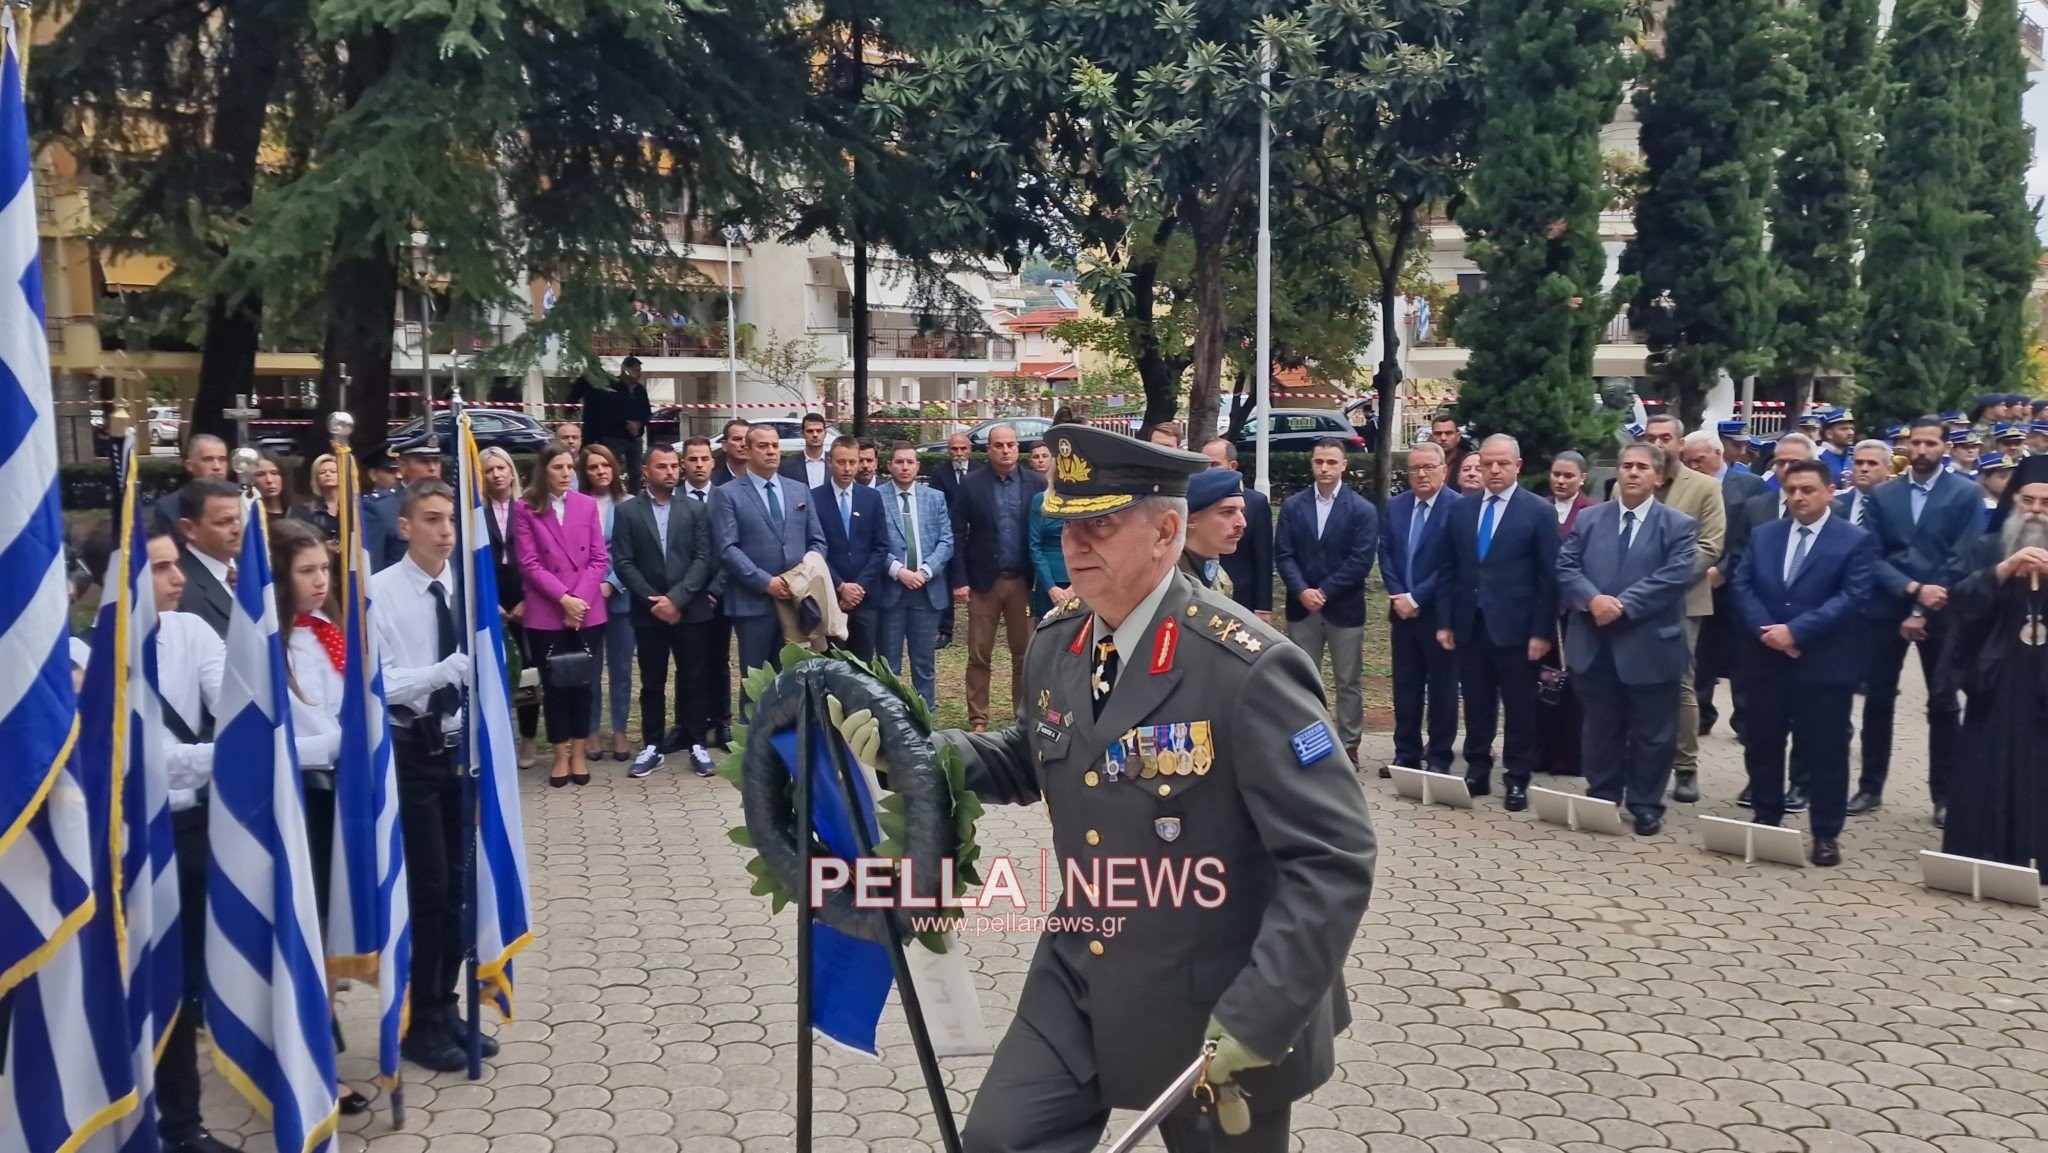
[[473, 1041]]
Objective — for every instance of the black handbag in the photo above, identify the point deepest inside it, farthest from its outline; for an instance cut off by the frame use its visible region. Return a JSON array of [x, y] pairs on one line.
[[573, 669], [1551, 683]]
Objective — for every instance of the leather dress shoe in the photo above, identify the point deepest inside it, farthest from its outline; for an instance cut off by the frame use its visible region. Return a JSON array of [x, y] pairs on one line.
[[429, 1046], [200, 1142], [1353, 754], [1744, 800], [456, 1026], [1649, 826], [1941, 815], [1795, 800], [1515, 799], [1863, 803], [1386, 770], [1686, 788], [1827, 853], [1480, 786]]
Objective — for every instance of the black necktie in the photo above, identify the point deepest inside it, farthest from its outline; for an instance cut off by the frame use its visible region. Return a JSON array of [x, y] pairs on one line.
[[1628, 532], [699, 494], [445, 700], [1106, 664]]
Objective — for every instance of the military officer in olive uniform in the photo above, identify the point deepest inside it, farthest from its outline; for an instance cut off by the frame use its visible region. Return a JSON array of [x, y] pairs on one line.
[[1215, 526], [1163, 726]]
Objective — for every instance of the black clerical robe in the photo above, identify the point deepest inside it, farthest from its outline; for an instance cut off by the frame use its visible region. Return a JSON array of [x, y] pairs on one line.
[[1998, 802]]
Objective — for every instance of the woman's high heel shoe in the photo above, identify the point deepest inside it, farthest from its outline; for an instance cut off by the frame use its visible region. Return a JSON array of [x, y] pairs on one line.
[[580, 778], [557, 782]]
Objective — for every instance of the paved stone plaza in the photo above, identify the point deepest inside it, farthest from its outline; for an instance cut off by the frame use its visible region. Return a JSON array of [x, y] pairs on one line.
[[1516, 987]]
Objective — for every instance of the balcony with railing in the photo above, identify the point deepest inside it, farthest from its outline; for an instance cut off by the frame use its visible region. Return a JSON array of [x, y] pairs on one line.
[[678, 341], [2030, 39]]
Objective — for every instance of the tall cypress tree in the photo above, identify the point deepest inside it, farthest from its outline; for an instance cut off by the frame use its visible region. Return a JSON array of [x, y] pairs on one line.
[[1916, 328], [1551, 73], [2003, 249], [1823, 193], [1707, 111]]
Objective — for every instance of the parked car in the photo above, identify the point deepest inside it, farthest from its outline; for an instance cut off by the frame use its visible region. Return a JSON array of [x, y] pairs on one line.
[[1298, 430], [515, 432], [1030, 430], [163, 424]]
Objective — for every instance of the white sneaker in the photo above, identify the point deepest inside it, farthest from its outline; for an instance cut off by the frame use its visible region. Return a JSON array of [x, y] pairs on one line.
[[700, 760], [649, 760]]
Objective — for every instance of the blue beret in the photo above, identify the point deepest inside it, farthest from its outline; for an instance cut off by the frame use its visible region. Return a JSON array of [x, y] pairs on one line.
[[1732, 427], [1206, 488]]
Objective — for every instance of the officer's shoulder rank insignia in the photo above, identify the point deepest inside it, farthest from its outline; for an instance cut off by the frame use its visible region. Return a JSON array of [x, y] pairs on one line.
[[1234, 635], [1313, 743]]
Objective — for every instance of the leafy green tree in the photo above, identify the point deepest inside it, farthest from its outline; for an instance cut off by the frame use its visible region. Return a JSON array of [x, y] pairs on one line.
[[1915, 342], [1706, 111], [2004, 252], [1822, 194], [1551, 78]]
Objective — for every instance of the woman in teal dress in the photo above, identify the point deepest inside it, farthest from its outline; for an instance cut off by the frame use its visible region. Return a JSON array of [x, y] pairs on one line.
[[1048, 563]]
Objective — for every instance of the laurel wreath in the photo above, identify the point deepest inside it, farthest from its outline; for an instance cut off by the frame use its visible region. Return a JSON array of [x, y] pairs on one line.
[[889, 816]]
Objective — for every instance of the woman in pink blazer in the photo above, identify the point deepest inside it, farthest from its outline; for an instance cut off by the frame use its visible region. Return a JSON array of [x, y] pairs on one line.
[[562, 561]]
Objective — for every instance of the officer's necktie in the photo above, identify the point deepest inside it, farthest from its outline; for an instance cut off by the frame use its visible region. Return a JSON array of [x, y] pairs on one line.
[[1486, 526], [846, 512], [1628, 531], [1799, 555], [445, 699], [774, 504], [909, 529], [1106, 664]]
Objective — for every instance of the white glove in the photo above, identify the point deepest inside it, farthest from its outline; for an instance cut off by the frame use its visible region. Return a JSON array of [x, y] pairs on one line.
[[453, 669]]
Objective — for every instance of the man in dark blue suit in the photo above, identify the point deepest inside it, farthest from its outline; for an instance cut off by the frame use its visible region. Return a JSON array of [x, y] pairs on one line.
[[1923, 521], [1498, 611], [1425, 673], [1801, 586], [1624, 572], [1324, 551], [1251, 566], [856, 545]]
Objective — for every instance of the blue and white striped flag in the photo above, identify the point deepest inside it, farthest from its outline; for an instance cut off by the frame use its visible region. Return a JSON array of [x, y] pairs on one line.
[[503, 925], [369, 914], [266, 997], [68, 1072]]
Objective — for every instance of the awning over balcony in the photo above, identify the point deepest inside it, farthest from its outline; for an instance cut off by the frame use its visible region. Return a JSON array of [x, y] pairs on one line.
[[134, 272], [715, 271]]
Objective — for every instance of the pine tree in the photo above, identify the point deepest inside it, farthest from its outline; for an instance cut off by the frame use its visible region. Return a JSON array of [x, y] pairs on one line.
[[2003, 250], [1707, 111], [1551, 78], [1822, 195], [1915, 343]]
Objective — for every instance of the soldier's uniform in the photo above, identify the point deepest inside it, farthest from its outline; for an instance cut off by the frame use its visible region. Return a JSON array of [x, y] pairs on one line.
[[1211, 744]]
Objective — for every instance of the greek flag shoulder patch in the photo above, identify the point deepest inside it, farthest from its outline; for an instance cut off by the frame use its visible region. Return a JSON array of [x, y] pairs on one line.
[[1313, 743]]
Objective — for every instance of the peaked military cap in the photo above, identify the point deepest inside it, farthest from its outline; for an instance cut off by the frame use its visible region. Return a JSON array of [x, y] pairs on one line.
[[2008, 430], [1732, 427], [1837, 416], [1994, 460], [1096, 472], [1963, 436]]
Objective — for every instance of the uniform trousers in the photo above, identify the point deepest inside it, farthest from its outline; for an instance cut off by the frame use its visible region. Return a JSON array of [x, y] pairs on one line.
[[1346, 643], [1030, 1102], [1631, 734], [1010, 599], [1884, 657], [689, 645], [177, 1071], [1816, 718], [1425, 684], [437, 844], [1499, 686]]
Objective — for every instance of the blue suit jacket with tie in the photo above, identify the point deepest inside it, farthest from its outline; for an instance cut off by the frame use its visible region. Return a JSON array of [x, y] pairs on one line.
[[1335, 563], [1514, 586], [1419, 581], [1930, 551], [1647, 642], [857, 550], [752, 548], [934, 545], [1822, 606]]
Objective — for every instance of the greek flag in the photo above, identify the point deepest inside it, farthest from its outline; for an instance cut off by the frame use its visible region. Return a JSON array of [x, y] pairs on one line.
[[502, 923], [369, 916], [1421, 319], [68, 1072], [266, 997]]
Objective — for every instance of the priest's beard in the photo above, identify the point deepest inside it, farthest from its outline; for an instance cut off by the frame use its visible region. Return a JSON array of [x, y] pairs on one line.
[[2024, 530]]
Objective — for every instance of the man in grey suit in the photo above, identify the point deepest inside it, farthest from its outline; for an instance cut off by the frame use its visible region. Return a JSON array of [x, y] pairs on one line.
[[1623, 573], [762, 524], [915, 592], [661, 549]]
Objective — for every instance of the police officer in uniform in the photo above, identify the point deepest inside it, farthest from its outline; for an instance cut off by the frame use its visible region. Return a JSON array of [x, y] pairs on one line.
[[1216, 524], [1163, 725]]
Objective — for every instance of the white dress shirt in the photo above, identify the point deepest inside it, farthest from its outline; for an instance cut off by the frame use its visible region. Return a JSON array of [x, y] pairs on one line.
[[816, 471], [1792, 542], [190, 657], [220, 569], [1323, 506], [561, 506], [1564, 510], [403, 614], [316, 699], [1129, 637]]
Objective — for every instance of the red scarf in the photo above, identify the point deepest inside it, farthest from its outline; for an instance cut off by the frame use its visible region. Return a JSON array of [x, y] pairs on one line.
[[328, 635]]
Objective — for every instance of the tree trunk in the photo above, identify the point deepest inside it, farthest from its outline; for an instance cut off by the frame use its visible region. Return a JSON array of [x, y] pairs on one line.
[[261, 34], [860, 338], [362, 288], [1802, 395], [1387, 380], [1160, 374], [1209, 324]]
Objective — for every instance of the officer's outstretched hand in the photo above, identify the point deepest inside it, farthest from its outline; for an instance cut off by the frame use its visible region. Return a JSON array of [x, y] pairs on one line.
[[861, 732], [1231, 1055]]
